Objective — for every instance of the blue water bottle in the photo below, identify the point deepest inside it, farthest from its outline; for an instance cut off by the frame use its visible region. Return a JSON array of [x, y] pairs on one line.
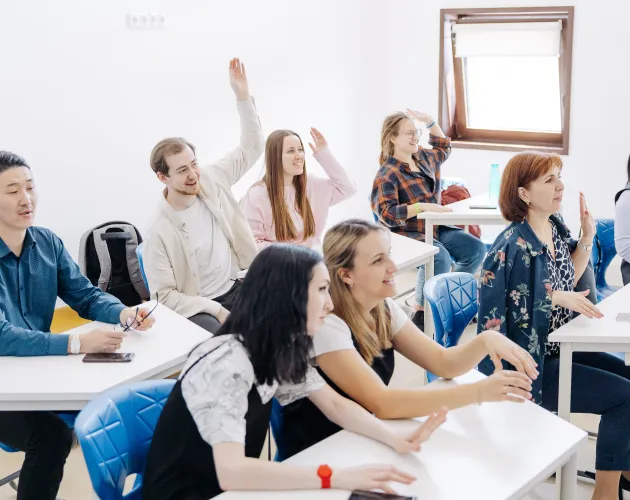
[[495, 183]]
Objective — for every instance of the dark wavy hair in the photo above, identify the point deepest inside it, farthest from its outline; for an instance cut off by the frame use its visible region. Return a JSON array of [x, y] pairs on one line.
[[269, 313], [10, 160]]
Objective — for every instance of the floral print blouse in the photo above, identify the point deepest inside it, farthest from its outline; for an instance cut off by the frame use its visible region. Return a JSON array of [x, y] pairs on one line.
[[515, 292]]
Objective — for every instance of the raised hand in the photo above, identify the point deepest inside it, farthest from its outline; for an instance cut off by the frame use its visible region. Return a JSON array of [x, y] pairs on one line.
[[420, 116], [319, 140], [238, 79], [586, 220]]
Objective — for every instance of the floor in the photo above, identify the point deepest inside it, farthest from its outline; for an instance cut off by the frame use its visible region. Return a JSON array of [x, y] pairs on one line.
[[76, 483]]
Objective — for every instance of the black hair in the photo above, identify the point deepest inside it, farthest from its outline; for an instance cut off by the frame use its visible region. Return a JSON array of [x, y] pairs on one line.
[[268, 315], [10, 160]]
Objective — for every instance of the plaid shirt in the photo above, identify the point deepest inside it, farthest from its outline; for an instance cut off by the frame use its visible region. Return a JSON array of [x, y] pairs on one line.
[[396, 186]]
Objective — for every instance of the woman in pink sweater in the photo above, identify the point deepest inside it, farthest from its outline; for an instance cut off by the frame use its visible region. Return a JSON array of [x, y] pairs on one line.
[[286, 206]]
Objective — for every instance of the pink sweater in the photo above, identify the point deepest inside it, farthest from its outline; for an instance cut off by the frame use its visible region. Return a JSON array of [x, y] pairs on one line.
[[322, 194]]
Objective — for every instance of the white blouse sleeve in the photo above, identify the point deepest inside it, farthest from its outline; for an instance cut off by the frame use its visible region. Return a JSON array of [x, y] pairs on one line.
[[288, 393], [215, 391], [334, 335], [399, 317]]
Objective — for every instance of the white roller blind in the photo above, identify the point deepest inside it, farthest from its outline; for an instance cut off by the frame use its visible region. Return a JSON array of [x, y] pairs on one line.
[[508, 39]]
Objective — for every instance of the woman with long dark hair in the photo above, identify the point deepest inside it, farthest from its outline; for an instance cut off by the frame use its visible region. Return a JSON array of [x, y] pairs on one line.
[[287, 206], [213, 426]]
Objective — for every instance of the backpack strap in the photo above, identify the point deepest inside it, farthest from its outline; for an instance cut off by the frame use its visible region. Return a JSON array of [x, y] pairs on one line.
[[100, 245], [133, 264]]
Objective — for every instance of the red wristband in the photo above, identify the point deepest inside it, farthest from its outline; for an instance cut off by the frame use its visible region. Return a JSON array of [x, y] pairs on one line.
[[325, 473]]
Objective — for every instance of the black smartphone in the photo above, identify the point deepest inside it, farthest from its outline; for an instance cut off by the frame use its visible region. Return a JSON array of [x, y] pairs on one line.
[[108, 357], [374, 495]]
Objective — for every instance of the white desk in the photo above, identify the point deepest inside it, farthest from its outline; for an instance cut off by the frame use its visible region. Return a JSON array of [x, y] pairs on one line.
[[66, 383], [461, 214], [591, 335], [495, 451], [408, 254]]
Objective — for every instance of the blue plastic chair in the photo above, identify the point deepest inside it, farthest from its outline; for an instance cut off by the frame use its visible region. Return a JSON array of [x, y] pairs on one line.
[[603, 253], [277, 429], [68, 418], [139, 250], [453, 301], [115, 431]]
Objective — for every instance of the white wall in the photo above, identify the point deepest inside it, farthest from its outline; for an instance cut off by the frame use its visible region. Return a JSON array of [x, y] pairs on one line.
[[600, 103], [84, 99]]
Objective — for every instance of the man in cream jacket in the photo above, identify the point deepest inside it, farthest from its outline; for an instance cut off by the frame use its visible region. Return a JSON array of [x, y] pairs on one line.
[[201, 238]]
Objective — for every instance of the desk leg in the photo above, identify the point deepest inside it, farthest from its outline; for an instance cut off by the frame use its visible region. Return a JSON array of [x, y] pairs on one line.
[[568, 480], [564, 386], [429, 327], [429, 269]]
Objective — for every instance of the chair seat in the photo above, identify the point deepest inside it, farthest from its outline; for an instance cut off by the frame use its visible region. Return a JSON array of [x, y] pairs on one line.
[[606, 291]]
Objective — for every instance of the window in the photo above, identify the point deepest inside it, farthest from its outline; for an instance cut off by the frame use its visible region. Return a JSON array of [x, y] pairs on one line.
[[505, 78]]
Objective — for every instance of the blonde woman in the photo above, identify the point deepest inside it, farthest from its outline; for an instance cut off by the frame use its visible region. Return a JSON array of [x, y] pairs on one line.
[[286, 205], [408, 183], [354, 349]]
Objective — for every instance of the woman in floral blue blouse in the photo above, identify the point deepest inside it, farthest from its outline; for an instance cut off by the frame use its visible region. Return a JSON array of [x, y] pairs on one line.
[[527, 291]]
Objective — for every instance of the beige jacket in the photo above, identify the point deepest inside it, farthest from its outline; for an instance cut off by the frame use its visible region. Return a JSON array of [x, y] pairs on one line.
[[169, 261]]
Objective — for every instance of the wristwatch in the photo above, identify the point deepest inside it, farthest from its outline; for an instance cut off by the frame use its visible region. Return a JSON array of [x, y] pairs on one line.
[[325, 473], [75, 344]]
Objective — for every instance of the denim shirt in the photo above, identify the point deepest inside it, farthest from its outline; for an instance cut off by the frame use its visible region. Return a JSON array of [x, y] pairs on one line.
[[29, 286], [515, 293]]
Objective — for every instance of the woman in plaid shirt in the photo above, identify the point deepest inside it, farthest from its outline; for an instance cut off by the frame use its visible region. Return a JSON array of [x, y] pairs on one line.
[[408, 183]]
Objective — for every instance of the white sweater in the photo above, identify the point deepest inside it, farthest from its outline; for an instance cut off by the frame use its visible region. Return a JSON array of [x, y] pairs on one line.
[[169, 263]]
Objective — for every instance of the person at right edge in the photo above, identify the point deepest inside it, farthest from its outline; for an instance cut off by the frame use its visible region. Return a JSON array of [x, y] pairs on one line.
[[527, 291], [622, 228]]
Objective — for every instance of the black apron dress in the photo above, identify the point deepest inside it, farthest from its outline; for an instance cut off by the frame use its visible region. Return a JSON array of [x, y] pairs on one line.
[[305, 425], [180, 464]]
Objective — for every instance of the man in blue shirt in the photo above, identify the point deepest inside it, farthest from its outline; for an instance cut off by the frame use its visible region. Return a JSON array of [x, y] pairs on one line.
[[35, 269]]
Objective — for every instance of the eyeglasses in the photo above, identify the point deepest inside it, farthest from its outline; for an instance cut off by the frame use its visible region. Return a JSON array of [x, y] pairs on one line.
[[413, 133], [135, 323]]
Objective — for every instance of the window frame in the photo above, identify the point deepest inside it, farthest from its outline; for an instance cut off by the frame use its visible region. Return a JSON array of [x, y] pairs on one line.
[[452, 101]]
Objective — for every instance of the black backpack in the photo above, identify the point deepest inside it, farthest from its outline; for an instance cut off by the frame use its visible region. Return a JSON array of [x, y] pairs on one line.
[[107, 257]]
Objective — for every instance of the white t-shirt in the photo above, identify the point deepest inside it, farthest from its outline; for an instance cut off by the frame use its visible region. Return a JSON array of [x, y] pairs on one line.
[[335, 335], [216, 388], [215, 265]]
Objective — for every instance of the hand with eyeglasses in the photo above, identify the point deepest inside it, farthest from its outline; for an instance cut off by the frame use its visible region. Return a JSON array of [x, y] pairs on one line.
[[137, 318]]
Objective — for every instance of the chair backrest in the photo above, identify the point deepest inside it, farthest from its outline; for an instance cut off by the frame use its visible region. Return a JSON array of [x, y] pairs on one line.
[[277, 428], [606, 249], [139, 250], [453, 301], [115, 431]]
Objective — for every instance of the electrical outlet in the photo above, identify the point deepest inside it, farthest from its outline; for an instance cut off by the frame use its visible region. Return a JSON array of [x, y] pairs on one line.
[[146, 21]]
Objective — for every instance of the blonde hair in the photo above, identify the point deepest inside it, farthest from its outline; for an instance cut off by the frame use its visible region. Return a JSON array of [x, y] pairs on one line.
[[390, 130], [340, 246]]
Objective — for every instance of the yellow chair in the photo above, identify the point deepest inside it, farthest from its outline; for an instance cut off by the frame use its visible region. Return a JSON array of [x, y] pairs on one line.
[[64, 319]]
